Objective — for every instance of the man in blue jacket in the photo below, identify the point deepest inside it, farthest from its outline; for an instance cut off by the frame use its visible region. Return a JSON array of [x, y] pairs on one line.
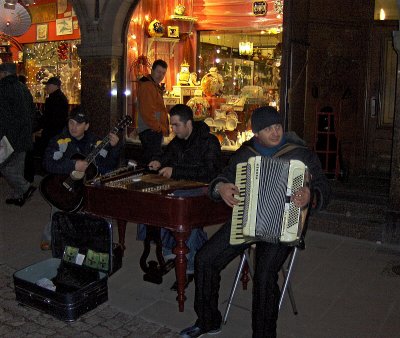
[[76, 139]]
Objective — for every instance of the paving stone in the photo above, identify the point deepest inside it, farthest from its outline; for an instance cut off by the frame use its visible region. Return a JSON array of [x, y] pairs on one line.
[[47, 331], [100, 331], [113, 324]]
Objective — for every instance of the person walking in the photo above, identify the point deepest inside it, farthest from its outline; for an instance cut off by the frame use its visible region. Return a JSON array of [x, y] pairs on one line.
[[16, 114]]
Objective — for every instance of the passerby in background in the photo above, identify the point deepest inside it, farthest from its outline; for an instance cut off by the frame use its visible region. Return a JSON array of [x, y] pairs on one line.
[[16, 114], [55, 114], [153, 116]]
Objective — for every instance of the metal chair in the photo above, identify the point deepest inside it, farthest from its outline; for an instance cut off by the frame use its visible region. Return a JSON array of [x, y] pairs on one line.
[[286, 272]]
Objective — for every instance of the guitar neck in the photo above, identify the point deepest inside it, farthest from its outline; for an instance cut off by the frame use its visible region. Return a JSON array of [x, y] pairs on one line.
[[90, 158], [126, 121]]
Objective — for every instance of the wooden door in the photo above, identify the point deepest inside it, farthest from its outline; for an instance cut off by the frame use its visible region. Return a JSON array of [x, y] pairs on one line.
[[381, 99]]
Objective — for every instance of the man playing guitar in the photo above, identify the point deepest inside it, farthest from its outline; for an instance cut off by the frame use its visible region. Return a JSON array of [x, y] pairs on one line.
[[65, 155]]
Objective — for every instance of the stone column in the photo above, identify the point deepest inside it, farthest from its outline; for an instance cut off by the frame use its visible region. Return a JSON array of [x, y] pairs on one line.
[[101, 51], [99, 76]]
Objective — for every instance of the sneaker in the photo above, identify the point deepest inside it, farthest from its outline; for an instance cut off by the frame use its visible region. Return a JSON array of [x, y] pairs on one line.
[[195, 331], [16, 201], [21, 201]]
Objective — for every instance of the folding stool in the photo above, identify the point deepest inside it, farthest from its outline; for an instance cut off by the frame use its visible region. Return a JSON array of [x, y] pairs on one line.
[[286, 272]]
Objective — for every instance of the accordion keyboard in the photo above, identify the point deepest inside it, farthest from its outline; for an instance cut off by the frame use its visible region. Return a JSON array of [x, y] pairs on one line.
[[265, 211], [238, 209]]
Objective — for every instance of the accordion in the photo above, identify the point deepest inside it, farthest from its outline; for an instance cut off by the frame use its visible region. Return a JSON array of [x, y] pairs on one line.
[[264, 211]]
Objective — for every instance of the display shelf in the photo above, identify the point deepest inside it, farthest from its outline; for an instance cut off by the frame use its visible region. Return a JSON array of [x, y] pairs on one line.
[[171, 41], [185, 18], [184, 93]]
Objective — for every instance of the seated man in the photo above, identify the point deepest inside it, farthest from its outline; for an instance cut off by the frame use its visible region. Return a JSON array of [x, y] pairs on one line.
[[215, 255], [76, 139], [194, 154]]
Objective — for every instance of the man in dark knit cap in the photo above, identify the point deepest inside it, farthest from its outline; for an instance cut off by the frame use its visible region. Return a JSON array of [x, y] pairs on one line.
[[16, 114], [214, 256]]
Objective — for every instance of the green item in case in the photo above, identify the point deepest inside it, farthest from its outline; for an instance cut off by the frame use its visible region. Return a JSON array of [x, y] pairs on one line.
[[70, 254], [103, 261], [92, 259]]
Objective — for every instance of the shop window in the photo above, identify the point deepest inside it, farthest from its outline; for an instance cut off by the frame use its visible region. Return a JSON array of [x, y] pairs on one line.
[[251, 78], [58, 58]]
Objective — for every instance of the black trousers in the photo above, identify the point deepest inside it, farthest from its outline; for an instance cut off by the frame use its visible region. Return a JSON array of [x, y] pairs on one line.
[[213, 257]]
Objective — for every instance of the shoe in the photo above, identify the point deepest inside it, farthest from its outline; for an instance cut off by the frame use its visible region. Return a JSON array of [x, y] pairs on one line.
[[16, 201], [21, 201], [189, 278], [45, 245], [195, 331]]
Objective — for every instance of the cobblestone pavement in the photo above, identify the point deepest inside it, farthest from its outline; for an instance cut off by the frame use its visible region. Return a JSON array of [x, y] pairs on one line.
[[104, 321]]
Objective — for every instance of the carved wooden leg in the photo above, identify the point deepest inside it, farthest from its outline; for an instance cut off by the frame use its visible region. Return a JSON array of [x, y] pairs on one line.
[[180, 250], [121, 232]]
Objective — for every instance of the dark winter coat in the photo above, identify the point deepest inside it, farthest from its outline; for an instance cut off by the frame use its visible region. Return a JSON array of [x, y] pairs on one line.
[[55, 115], [198, 158], [320, 188], [57, 157], [16, 113]]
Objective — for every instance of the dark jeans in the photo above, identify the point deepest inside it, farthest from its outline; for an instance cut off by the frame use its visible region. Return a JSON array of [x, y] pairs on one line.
[[213, 257], [151, 145]]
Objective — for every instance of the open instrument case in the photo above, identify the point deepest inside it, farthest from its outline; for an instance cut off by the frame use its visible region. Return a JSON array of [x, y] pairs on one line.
[[74, 280]]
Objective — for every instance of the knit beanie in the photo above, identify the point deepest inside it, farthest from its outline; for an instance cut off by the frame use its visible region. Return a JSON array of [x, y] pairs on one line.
[[264, 117]]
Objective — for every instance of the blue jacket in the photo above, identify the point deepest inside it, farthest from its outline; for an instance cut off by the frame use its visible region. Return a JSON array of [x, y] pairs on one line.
[[57, 157]]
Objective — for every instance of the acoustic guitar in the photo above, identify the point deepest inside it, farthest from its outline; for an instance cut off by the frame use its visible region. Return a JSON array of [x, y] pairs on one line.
[[65, 192]]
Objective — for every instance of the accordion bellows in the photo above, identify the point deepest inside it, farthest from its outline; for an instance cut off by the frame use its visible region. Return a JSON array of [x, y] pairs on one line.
[[265, 211]]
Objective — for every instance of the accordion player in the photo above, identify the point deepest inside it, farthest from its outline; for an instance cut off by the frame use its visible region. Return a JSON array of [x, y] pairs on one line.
[[265, 211]]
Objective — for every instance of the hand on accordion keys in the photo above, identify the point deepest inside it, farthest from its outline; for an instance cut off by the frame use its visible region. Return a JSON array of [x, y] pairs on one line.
[[301, 197], [227, 191]]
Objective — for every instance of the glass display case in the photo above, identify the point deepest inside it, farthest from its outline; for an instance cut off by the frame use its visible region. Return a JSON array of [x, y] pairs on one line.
[[237, 73]]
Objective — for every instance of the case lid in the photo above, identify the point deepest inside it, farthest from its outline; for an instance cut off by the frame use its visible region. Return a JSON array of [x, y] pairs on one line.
[[82, 239]]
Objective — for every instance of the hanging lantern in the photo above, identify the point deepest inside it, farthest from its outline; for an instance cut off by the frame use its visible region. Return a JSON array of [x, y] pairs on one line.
[[245, 48]]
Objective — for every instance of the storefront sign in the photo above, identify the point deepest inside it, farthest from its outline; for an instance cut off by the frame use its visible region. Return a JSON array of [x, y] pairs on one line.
[[43, 13], [259, 7]]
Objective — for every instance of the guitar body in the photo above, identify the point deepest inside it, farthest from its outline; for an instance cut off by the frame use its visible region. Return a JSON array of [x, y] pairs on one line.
[[54, 188], [65, 192]]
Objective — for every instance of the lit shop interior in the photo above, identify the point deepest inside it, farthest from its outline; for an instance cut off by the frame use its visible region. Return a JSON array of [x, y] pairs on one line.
[[219, 68]]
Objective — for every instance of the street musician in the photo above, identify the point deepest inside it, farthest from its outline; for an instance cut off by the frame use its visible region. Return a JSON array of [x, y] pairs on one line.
[[269, 141]]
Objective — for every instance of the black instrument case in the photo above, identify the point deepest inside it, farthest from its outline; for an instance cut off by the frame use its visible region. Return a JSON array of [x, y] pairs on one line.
[[83, 257]]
